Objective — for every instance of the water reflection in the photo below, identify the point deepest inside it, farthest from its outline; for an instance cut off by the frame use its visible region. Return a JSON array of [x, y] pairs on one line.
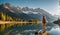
[[55, 30], [31, 29]]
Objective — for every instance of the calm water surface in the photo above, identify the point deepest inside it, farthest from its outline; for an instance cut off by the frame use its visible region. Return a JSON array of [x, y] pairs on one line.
[[31, 29]]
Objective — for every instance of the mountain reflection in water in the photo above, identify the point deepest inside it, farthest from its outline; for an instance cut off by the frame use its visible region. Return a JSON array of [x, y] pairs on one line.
[[31, 29], [55, 30]]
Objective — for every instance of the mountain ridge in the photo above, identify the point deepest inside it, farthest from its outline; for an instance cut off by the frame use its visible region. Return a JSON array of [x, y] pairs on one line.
[[18, 12]]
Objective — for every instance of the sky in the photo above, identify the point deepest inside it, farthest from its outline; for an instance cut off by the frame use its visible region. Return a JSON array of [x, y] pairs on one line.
[[50, 6]]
